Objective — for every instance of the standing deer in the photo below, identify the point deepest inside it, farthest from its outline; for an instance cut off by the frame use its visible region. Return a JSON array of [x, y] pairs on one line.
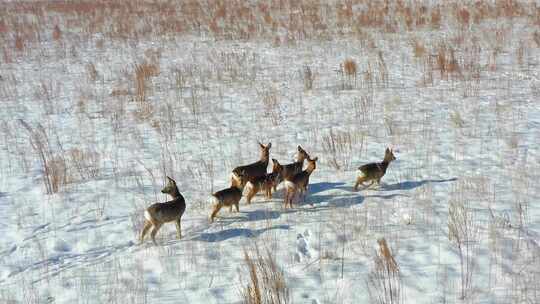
[[255, 169], [374, 171], [299, 182], [159, 213], [228, 197], [265, 183], [291, 169]]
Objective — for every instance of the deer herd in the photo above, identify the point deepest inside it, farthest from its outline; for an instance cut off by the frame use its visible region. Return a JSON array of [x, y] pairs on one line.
[[251, 179]]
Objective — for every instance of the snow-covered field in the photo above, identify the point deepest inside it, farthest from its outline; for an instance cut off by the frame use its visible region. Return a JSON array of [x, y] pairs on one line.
[[104, 113]]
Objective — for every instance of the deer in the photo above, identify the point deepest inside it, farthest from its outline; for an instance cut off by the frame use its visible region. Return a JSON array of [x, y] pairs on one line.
[[228, 197], [265, 183], [255, 169], [374, 171], [291, 169], [160, 213], [299, 182]]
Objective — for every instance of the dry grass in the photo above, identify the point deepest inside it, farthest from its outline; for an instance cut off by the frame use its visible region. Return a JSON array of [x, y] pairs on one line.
[[463, 233], [271, 105], [239, 20], [86, 163], [384, 281], [283, 23], [348, 71], [338, 147], [143, 72], [447, 63], [308, 77], [349, 67], [266, 284], [419, 50], [57, 33], [19, 44], [536, 38], [52, 161], [92, 72], [60, 167]]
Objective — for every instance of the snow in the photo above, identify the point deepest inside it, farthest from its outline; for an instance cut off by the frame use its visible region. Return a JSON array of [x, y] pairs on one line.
[[81, 244]]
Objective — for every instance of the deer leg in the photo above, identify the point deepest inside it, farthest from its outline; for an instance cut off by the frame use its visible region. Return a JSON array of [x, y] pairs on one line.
[[237, 205], [291, 197], [269, 192], [147, 225], [250, 195], [359, 181], [214, 212], [154, 232], [178, 229]]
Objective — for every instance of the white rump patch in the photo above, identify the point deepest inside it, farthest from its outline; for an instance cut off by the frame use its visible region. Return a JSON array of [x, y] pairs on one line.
[[147, 215], [360, 173], [289, 185], [248, 186], [235, 177]]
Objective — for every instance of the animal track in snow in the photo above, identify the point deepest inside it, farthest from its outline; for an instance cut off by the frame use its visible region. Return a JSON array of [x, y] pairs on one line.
[[303, 251]]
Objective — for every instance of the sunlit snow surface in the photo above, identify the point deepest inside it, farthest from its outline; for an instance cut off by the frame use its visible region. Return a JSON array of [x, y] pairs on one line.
[[81, 245]]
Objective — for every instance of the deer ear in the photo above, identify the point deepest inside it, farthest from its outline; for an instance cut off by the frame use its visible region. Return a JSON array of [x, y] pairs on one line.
[[275, 161], [299, 148], [170, 179], [315, 159], [269, 145]]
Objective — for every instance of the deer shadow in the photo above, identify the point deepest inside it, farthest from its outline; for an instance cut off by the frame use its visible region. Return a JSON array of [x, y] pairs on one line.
[[409, 185], [212, 237], [251, 216], [312, 188], [320, 201], [331, 200], [323, 186]]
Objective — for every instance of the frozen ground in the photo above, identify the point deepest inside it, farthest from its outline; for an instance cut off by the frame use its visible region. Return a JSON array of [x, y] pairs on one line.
[[470, 138]]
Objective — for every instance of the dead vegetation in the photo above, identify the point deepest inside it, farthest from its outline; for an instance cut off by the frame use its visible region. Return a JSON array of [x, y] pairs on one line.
[[238, 20], [384, 281], [52, 160], [266, 283]]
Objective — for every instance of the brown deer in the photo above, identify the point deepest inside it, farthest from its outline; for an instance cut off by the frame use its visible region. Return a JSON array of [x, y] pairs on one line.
[[374, 171], [299, 182], [255, 169], [291, 169], [159, 213], [265, 183], [228, 197]]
